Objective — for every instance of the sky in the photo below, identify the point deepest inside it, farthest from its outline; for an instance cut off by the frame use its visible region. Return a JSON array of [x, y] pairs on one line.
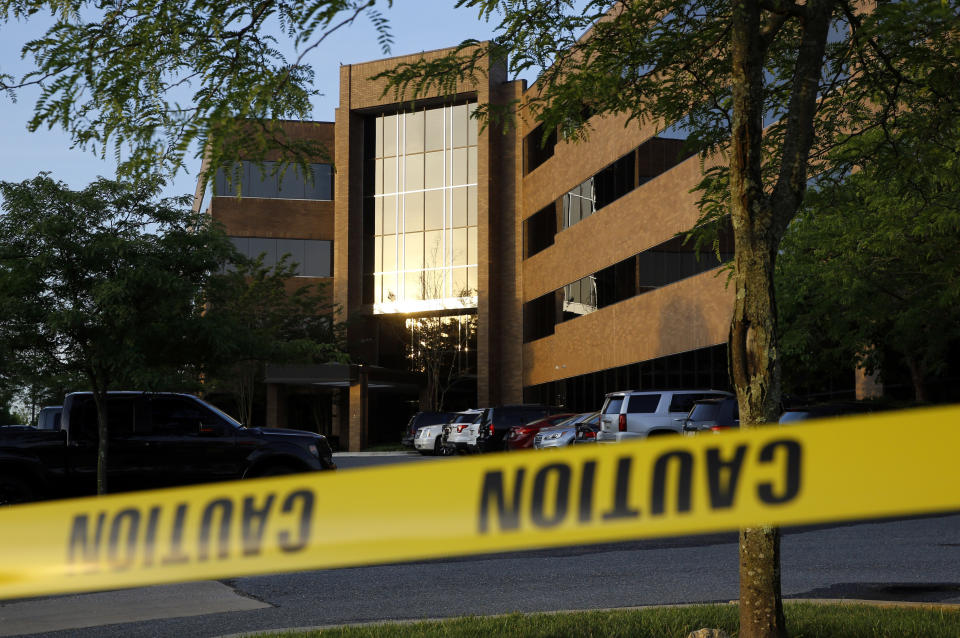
[[417, 25]]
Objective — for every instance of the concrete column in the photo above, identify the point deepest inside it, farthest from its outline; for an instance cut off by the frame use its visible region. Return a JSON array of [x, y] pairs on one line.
[[276, 406], [359, 395]]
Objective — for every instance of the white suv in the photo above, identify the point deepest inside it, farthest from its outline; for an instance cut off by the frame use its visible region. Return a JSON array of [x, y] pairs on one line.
[[636, 414], [462, 431]]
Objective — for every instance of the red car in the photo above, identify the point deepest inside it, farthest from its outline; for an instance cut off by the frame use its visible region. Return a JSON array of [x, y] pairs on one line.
[[520, 437]]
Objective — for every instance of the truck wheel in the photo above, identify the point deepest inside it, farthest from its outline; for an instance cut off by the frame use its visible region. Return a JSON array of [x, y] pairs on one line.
[[14, 490]]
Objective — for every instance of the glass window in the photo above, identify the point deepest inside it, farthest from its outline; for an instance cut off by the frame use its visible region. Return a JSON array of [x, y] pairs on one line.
[[471, 205], [318, 258], [612, 405], [390, 175], [433, 284], [413, 251], [413, 176], [433, 208], [242, 244], [458, 216], [378, 176], [390, 253], [294, 248], [433, 248], [459, 286], [177, 416], [472, 125], [433, 129], [378, 215], [472, 256], [389, 214], [472, 165], [433, 170], [390, 290], [390, 135], [472, 281], [459, 168], [414, 283], [459, 252], [413, 212], [266, 247], [643, 403], [291, 184], [322, 187], [414, 132], [460, 117], [378, 143]]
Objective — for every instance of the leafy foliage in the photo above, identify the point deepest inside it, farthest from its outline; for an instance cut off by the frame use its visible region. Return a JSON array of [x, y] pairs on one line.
[[147, 80], [869, 273], [103, 283], [268, 317]]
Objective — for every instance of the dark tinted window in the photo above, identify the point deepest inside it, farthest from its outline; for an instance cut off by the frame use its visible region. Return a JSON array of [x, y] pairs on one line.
[[613, 405], [683, 402], [643, 403], [704, 411], [178, 415]]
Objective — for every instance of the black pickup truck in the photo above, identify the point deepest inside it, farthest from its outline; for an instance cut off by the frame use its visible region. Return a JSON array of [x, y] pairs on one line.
[[156, 440]]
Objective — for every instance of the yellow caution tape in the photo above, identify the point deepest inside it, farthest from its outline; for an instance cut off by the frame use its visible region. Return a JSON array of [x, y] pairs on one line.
[[873, 466]]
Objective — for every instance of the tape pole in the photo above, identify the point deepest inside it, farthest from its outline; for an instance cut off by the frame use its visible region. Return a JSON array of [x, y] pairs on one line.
[[890, 464]]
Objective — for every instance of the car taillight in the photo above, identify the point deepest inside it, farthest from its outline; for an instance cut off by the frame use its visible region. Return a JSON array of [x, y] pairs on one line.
[[589, 434], [719, 428], [491, 428], [622, 423], [460, 428]]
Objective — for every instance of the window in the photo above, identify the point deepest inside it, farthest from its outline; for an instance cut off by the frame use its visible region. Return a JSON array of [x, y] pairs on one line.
[[643, 403], [249, 179], [312, 257], [536, 149], [423, 194], [177, 415], [683, 402], [613, 405], [539, 230]]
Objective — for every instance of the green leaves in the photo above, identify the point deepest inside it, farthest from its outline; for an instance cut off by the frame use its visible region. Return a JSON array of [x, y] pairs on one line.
[[103, 282], [149, 81]]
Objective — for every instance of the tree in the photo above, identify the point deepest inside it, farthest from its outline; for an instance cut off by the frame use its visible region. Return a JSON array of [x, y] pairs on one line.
[[763, 88], [103, 283], [871, 263], [269, 319], [149, 81]]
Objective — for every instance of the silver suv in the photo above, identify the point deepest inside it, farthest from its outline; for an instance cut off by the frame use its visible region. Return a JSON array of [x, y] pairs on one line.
[[639, 414]]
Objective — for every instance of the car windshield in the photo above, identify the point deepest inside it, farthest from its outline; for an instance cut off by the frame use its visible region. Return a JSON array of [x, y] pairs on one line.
[[466, 418], [703, 411], [229, 419]]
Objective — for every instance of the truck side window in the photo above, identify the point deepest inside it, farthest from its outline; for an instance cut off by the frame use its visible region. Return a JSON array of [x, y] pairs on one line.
[[176, 415]]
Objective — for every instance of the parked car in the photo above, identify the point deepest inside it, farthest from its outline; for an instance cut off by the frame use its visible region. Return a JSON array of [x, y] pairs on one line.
[[639, 414], [827, 410], [581, 428], [49, 417], [520, 437], [429, 438], [712, 415], [420, 419], [496, 422], [461, 433], [155, 440]]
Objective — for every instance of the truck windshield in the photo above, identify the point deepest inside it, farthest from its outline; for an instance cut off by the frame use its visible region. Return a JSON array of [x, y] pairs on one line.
[[223, 415]]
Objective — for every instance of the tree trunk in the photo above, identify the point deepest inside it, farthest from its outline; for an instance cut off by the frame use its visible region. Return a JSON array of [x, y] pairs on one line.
[[753, 356], [917, 379]]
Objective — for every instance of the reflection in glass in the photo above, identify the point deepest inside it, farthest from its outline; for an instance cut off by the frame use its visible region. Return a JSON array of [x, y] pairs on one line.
[[425, 212]]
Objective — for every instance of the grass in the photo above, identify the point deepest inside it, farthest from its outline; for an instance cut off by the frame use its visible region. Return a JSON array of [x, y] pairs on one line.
[[804, 620]]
